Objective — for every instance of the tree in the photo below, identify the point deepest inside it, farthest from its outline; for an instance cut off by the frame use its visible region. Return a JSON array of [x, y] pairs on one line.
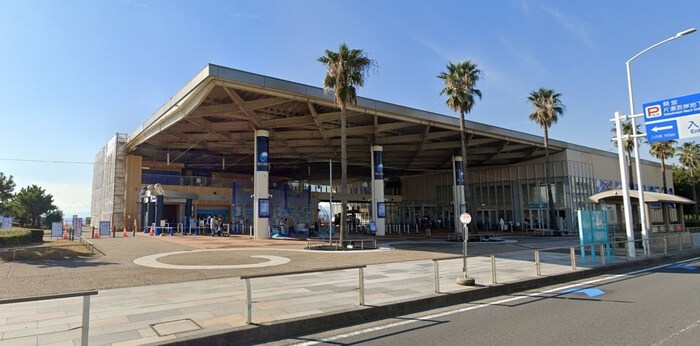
[[689, 156], [7, 187], [683, 185], [628, 146], [346, 70], [662, 151], [54, 215], [460, 82], [30, 203], [547, 110]]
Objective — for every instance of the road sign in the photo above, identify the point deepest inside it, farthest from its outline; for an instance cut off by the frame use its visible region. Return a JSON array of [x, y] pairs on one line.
[[465, 218], [672, 119]]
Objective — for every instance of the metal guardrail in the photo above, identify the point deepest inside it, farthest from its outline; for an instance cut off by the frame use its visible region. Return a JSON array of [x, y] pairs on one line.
[[88, 244], [603, 248], [249, 293], [86, 307], [351, 241]]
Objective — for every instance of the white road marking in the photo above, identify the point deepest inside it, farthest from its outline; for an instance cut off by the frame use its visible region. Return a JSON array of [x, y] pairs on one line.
[[668, 338], [500, 302], [152, 261]]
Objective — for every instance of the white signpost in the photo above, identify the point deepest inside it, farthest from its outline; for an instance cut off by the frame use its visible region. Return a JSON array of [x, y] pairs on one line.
[[465, 219]]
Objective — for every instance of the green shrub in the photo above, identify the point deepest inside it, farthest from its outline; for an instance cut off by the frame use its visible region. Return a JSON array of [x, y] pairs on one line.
[[15, 237], [692, 223]]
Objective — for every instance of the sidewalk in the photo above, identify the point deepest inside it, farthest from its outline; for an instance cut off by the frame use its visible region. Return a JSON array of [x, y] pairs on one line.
[[162, 313]]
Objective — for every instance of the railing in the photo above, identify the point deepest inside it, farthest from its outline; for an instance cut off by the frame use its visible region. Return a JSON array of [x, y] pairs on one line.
[[83, 243], [88, 244], [86, 307], [249, 293], [605, 250]]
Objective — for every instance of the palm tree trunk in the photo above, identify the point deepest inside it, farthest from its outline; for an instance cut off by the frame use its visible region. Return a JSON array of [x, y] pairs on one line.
[[463, 140], [666, 211], [553, 224], [663, 174], [629, 170], [695, 198], [343, 175]]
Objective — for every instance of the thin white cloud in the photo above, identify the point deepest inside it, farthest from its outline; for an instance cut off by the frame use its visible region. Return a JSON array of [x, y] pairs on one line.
[[571, 24], [525, 8], [440, 51], [527, 60]]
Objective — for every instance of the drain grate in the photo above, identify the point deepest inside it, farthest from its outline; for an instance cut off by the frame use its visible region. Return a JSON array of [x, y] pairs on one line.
[[174, 327]]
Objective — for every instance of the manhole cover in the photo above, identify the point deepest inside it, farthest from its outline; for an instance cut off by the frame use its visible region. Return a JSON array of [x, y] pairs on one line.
[[174, 327]]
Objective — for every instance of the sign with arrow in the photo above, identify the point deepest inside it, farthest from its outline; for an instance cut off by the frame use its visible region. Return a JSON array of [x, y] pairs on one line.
[[590, 292], [672, 119]]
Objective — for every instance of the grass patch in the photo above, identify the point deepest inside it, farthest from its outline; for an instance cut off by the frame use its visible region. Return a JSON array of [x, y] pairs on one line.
[[56, 250]]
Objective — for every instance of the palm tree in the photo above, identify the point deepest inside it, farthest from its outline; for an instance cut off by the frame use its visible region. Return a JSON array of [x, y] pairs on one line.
[[547, 110], [662, 151], [346, 70], [460, 81], [689, 156], [628, 145]]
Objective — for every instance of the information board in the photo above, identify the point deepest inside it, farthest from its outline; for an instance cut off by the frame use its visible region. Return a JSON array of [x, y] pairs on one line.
[[104, 228], [77, 227], [593, 229], [56, 229]]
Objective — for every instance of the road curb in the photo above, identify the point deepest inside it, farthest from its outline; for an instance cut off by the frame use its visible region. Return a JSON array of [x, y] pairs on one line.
[[270, 331]]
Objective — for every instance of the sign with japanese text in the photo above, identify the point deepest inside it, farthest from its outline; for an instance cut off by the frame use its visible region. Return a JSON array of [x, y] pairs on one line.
[[672, 119]]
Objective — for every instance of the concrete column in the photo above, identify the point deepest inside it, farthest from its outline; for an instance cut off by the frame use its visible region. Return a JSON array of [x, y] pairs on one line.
[[232, 220], [151, 210], [458, 192], [378, 205], [188, 214], [261, 179]]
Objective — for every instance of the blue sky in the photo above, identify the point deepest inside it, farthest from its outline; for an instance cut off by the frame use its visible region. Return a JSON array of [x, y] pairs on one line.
[[75, 72]]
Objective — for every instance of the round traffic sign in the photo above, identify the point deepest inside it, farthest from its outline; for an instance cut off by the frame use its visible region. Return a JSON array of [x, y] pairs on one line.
[[465, 218]]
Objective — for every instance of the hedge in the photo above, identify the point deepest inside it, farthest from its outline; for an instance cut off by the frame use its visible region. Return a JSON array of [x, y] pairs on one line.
[[15, 237]]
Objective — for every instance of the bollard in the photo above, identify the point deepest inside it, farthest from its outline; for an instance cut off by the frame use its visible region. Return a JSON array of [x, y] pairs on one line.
[[665, 246], [361, 284], [86, 321], [436, 270], [602, 254], [493, 269], [249, 303], [572, 251], [680, 243], [627, 252], [692, 238], [537, 263]]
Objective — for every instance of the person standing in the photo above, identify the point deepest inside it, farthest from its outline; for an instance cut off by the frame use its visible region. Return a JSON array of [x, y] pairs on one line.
[[427, 226]]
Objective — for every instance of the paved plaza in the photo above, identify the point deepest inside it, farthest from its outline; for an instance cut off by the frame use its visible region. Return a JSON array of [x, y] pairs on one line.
[[159, 289]]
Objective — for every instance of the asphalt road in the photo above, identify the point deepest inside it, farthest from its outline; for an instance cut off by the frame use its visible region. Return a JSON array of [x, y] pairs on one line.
[[657, 306]]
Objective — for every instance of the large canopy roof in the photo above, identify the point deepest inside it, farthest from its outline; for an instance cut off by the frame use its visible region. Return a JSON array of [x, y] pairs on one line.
[[615, 197], [210, 124]]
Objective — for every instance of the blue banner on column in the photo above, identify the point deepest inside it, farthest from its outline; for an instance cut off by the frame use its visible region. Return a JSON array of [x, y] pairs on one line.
[[262, 155], [378, 166], [459, 174], [264, 208], [381, 210]]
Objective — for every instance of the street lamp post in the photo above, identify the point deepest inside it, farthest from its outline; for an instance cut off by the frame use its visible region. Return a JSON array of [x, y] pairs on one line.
[[635, 135]]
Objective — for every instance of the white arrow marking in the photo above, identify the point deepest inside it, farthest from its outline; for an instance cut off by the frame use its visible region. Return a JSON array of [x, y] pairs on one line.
[[661, 128]]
